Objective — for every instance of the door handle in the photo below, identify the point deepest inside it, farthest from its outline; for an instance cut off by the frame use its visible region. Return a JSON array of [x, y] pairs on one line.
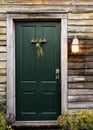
[[57, 74]]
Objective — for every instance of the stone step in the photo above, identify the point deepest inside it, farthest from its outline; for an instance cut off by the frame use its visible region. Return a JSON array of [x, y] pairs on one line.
[[38, 128]]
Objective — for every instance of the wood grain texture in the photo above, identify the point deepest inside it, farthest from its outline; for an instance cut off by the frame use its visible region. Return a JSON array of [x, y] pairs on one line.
[[2, 23], [71, 2], [77, 22], [2, 42], [81, 85], [80, 58], [80, 92], [2, 17], [81, 98], [83, 72], [3, 64], [2, 79], [80, 105], [2, 30], [81, 16], [3, 49], [80, 29], [72, 10], [3, 56], [2, 71], [81, 65], [80, 78], [2, 37]]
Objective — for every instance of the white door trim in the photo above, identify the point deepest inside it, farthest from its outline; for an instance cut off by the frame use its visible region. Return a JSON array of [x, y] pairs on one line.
[[11, 57]]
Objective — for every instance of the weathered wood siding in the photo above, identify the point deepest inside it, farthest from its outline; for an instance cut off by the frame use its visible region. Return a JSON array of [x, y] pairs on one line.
[[80, 67], [2, 58]]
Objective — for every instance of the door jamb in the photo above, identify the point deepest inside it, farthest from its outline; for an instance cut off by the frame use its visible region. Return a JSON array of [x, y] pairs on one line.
[[11, 56]]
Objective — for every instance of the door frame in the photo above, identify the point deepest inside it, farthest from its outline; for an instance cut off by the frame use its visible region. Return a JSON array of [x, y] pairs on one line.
[[11, 17]]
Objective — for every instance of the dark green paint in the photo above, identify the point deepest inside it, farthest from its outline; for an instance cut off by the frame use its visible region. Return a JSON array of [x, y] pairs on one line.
[[37, 90]]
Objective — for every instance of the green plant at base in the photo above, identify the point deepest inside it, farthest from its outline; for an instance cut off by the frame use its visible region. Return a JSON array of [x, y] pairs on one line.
[[3, 122], [79, 120], [9, 128]]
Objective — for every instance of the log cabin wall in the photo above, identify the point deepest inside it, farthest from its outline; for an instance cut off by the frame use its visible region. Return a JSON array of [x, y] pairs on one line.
[[80, 66]]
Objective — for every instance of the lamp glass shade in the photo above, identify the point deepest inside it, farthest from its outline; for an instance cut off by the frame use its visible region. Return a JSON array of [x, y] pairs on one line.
[[75, 48], [75, 45]]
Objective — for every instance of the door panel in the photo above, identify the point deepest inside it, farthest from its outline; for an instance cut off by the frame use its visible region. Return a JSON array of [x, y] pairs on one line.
[[37, 89]]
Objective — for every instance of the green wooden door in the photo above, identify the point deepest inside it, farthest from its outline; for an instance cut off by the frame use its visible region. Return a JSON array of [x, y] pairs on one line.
[[37, 84]]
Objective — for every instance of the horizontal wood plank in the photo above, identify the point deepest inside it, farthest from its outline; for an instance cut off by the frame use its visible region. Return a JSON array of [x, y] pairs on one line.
[[3, 72], [80, 29], [2, 89], [71, 2], [3, 79], [80, 105], [81, 85], [3, 49], [2, 17], [75, 109], [3, 65], [3, 23], [80, 58], [3, 37], [3, 85], [81, 65], [2, 43], [80, 78], [3, 56], [86, 42], [83, 72], [86, 49], [81, 98], [78, 92], [81, 35], [82, 42], [2, 93], [46, 8], [2, 31], [80, 16], [53, 1], [76, 65], [78, 22]]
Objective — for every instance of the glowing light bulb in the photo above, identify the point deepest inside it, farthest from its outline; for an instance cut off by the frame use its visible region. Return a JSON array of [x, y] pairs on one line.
[[75, 45]]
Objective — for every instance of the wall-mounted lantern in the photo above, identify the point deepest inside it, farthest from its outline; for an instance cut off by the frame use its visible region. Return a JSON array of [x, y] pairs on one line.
[[75, 45]]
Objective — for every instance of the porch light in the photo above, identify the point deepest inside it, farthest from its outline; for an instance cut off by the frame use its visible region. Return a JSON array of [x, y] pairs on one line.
[[75, 45]]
